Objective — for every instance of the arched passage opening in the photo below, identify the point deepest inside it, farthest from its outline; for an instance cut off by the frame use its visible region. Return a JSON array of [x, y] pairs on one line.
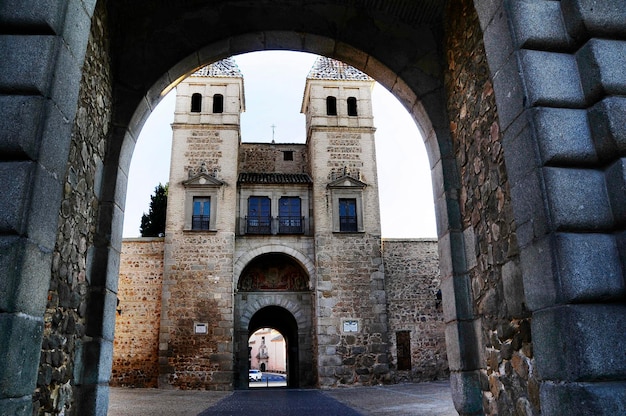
[[283, 321]]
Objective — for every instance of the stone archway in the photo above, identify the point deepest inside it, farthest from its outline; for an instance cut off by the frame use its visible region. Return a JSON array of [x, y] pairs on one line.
[[273, 291], [552, 66]]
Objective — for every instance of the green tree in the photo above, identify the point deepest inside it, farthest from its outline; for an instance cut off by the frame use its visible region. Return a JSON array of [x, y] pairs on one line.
[[153, 223]]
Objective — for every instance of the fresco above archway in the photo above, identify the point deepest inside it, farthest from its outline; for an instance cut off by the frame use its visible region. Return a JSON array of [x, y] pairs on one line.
[[273, 272]]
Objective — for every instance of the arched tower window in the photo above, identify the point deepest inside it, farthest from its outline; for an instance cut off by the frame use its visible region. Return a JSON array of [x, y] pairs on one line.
[[196, 103], [331, 106], [352, 111], [218, 103]]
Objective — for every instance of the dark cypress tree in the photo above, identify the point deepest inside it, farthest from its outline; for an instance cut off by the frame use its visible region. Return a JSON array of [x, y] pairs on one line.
[[153, 223]]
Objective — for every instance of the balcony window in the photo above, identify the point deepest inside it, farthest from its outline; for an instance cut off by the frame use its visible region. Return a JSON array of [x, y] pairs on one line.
[[290, 220], [259, 219]]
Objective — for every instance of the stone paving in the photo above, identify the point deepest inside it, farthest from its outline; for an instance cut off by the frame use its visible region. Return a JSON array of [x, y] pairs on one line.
[[419, 399]]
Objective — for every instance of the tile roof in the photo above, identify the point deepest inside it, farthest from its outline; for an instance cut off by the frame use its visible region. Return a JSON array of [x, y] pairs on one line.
[[274, 178], [224, 68], [327, 68]]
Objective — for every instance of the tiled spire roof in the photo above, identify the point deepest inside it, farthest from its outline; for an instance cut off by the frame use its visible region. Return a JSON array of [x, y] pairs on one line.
[[327, 68], [224, 68]]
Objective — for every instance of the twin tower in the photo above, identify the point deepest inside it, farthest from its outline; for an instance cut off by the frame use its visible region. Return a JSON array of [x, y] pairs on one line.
[[274, 235]]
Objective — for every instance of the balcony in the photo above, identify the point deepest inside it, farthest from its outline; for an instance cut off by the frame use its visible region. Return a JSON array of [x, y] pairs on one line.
[[200, 222], [274, 225], [258, 225], [348, 224], [290, 225]]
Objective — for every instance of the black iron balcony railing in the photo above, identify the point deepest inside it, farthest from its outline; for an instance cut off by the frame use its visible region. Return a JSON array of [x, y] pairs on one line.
[[200, 222], [290, 225], [348, 224], [276, 225], [258, 225]]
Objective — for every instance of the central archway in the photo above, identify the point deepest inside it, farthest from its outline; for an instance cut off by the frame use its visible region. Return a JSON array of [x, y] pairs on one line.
[[283, 321], [273, 292]]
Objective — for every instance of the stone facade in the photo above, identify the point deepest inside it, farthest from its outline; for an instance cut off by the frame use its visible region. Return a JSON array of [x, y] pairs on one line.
[[411, 284], [323, 282]]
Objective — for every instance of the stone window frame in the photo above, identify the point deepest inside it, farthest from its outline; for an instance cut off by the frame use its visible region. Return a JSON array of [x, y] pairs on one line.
[[274, 193], [347, 188], [201, 186]]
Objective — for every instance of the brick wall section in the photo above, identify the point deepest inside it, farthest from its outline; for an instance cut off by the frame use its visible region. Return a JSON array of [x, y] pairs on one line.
[[412, 281], [67, 298], [508, 377], [135, 359]]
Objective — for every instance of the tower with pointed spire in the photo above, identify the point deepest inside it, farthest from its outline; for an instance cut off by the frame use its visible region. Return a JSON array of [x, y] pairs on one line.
[[340, 139]]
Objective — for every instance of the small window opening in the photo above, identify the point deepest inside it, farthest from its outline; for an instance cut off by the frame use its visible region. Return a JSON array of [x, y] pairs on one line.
[[288, 155], [352, 111], [218, 103], [331, 106], [196, 103]]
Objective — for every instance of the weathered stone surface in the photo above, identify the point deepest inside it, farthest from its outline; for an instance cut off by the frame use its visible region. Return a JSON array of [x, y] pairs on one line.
[[68, 296], [414, 304], [495, 339], [580, 342], [135, 358]]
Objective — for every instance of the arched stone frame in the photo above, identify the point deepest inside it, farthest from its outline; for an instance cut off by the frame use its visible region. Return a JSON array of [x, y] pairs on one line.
[[43, 176], [305, 262]]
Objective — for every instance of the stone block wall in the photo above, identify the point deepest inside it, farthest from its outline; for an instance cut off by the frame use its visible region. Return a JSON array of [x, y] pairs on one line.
[[269, 158], [66, 315], [412, 282], [197, 288], [502, 349], [135, 353], [350, 285]]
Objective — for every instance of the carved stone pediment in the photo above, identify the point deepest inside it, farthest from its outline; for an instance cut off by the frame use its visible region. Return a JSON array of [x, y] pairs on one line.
[[346, 182], [203, 180]]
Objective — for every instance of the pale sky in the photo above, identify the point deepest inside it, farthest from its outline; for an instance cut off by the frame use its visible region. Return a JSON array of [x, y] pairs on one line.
[[274, 85]]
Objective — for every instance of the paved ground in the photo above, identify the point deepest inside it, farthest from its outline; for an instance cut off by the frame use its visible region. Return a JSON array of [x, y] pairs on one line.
[[423, 399]]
